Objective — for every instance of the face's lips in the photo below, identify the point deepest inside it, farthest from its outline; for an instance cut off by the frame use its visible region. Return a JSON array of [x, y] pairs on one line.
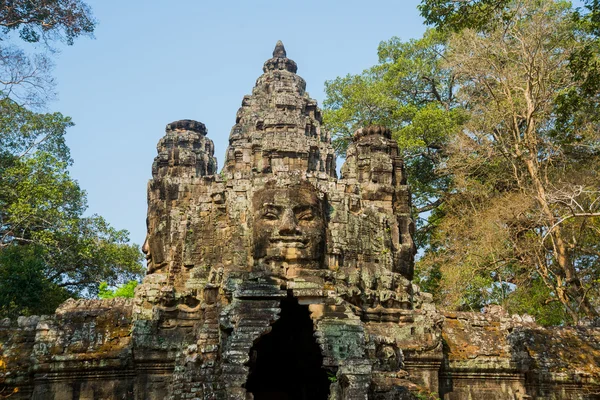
[[290, 241]]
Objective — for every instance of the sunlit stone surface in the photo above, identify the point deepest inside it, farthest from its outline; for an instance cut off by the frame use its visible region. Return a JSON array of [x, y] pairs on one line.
[[276, 279]]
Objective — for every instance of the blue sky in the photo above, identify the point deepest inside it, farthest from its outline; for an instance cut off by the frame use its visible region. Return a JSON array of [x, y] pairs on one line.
[[154, 62]]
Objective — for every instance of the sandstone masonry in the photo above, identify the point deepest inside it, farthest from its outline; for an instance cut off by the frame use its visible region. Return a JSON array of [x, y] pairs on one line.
[[275, 279]]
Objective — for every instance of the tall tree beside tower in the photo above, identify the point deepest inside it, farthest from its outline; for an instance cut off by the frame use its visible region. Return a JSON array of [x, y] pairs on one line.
[[49, 250]]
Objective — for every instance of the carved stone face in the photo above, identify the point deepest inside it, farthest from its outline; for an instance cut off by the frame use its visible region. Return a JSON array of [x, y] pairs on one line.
[[375, 165], [289, 225], [148, 254]]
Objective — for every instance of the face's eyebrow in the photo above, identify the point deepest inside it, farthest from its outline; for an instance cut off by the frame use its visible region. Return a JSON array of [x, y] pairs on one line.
[[304, 207], [272, 206]]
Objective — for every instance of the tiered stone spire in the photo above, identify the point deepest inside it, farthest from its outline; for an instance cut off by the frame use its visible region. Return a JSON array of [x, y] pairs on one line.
[[185, 151], [278, 127]]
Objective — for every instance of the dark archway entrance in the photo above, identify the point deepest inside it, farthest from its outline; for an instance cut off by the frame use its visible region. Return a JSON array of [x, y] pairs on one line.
[[286, 363]]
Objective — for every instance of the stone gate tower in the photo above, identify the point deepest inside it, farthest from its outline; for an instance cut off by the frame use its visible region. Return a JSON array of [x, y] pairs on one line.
[[276, 279], [274, 246]]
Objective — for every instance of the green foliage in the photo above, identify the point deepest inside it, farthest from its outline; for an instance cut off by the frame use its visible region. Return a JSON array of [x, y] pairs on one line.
[[590, 16], [428, 277], [49, 250], [25, 76], [535, 298], [520, 224], [459, 14], [42, 214], [45, 20], [23, 131], [574, 104], [577, 104], [353, 102], [407, 87], [24, 287], [424, 394], [126, 290], [483, 15], [332, 377]]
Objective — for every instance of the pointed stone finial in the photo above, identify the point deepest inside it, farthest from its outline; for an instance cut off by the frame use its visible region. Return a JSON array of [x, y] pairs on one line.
[[279, 51], [280, 61]]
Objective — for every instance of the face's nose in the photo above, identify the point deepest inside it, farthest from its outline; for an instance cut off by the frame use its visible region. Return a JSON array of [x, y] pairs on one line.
[[146, 248], [289, 224]]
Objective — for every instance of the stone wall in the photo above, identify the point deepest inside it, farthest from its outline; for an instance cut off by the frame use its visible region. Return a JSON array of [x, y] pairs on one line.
[[91, 349], [514, 358], [276, 267], [84, 351]]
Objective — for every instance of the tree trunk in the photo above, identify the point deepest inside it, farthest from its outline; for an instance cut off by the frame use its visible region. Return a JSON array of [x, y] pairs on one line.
[[561, 253]]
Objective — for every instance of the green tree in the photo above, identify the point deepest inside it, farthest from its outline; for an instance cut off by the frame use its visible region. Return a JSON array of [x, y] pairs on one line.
[[458, 14], [49, 250], [126, 290], [25, 76], [455, 15], [42, 216], [584, 63], [24, 288], [46, 20], [525, 203]]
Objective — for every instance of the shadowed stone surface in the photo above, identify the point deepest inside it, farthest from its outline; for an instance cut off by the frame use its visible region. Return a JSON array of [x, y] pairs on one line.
[[275, 279]]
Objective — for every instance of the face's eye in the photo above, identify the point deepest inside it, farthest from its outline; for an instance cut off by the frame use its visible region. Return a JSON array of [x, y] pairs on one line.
[[270, 212], [306, 215], [270, 215]]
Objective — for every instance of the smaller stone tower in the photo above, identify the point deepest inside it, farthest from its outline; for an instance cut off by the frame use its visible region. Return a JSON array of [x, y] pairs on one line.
[[374, 168], [185, 151]]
